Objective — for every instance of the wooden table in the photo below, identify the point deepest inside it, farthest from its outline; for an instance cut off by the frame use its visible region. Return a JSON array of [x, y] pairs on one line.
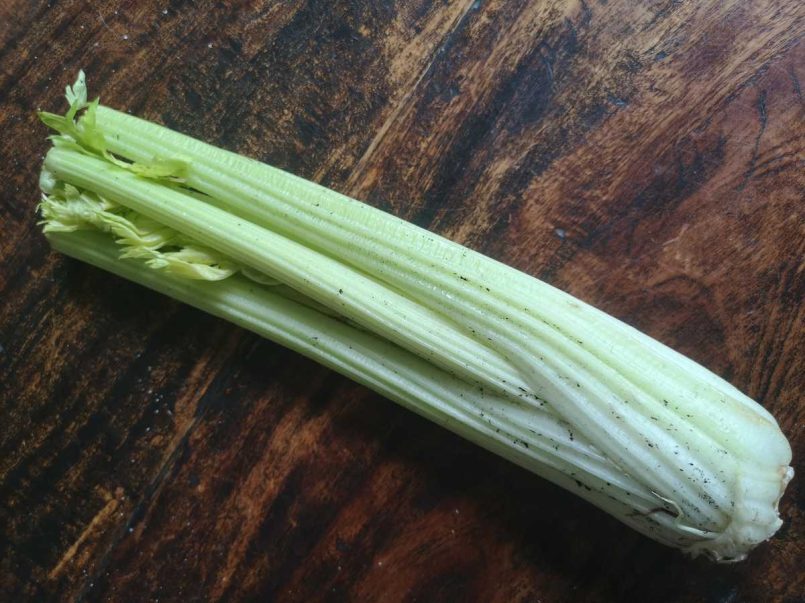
[[645, 156]]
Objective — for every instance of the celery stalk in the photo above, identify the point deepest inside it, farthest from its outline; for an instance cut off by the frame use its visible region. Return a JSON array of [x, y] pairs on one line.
[[681, 455]]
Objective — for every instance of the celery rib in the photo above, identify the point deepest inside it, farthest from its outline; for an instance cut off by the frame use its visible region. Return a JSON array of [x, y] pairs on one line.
[[497, 356]]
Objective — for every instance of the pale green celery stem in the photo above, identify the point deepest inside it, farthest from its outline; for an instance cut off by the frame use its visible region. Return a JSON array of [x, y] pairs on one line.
[[289, 206], [305, 211], [398, 375], [709, 470], [374, 307]]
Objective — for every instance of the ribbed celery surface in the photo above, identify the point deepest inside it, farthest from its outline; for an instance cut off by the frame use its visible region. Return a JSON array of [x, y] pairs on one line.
[[499, 357]]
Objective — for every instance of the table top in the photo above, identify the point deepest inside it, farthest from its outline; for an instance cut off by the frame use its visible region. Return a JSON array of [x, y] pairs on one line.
[[647, 157]]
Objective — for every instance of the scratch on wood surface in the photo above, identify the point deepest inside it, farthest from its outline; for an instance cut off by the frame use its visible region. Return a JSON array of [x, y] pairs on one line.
[[101, 516]]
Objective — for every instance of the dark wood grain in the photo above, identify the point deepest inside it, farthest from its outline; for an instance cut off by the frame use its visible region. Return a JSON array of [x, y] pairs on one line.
[[645, 156]]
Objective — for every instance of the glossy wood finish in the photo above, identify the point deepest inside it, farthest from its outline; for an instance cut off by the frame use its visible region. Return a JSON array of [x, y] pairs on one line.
[[645, 156]]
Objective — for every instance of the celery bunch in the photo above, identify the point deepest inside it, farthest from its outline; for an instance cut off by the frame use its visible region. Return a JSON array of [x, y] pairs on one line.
[[499, 357]]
